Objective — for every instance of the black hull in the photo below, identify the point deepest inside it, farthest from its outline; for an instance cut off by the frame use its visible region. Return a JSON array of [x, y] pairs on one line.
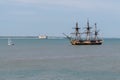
[[74, 42], [87, 44]]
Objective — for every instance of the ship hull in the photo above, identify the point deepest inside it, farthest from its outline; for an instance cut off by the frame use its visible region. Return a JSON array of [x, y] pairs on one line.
[[75, 42]]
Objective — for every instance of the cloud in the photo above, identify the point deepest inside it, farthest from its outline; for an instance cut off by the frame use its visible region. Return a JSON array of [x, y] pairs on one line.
[[69, 3], [79, 4]]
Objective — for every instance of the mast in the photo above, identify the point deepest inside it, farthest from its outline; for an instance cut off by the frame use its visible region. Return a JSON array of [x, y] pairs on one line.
[[77, 33], [96, 32], [77, 29], [88, 31]]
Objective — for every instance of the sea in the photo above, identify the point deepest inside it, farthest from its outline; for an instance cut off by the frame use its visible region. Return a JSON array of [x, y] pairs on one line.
[[57, 59]]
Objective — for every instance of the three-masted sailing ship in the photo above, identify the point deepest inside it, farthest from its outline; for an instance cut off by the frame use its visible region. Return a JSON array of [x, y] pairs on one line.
[[90, 37]]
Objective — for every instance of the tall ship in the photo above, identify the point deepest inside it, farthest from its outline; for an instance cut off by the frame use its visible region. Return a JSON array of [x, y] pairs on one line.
[[88, 37]]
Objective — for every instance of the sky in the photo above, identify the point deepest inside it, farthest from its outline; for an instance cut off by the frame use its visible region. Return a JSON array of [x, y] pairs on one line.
[[54, 17]]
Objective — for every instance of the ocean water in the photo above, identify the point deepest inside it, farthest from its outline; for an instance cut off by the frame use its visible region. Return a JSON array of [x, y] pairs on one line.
[[57, 59]]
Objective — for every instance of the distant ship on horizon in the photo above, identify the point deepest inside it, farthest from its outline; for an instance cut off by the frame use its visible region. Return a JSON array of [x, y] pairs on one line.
[[90, 38], [42, 37]]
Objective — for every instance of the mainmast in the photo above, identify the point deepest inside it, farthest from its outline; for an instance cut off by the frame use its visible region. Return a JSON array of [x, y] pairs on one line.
[[88, 31]]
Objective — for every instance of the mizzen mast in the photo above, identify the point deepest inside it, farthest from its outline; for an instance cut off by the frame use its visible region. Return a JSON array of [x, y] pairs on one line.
[[96, 32]]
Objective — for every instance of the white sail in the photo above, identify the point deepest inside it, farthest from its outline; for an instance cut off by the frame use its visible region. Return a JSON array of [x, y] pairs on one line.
[[10, 42]]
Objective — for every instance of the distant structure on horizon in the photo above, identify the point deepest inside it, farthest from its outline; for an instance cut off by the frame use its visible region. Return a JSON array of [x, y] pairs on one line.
[[42, 37], [90, 38]]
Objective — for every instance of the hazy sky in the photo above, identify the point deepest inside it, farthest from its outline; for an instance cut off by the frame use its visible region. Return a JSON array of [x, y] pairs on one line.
[[54, 17]]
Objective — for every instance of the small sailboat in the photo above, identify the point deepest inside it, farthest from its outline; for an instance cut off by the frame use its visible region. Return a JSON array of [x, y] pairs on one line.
[[10, 42]]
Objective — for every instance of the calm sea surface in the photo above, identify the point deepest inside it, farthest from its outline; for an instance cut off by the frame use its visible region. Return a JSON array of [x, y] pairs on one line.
[[57, 59]]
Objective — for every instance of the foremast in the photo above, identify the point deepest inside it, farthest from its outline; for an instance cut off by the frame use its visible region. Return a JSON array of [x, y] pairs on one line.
[[77, 33]]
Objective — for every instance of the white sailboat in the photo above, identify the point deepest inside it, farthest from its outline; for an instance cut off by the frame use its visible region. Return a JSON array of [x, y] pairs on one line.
[[10, 42]]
